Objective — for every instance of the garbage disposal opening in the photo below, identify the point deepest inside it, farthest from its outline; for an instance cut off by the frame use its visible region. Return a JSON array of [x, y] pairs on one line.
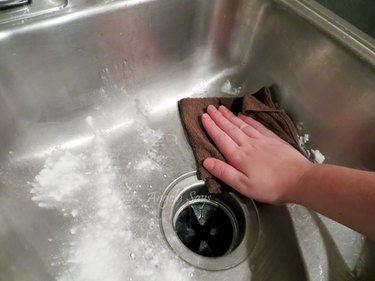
[[209, 231]]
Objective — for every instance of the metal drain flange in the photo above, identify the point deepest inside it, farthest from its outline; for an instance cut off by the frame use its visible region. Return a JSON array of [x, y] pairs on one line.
[[209, 231]]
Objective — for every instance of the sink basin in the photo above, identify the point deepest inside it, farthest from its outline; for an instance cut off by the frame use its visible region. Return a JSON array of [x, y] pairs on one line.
[[91, 136]]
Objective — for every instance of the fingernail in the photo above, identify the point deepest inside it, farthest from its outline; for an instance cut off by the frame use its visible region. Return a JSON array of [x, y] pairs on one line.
[[211, 108], [208, 164], [223, 108], [204, 116]]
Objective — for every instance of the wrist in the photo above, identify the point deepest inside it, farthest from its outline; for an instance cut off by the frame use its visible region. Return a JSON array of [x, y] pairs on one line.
[[300, 188]]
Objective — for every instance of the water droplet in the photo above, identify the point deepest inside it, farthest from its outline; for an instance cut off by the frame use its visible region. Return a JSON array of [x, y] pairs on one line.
[[132, 256], [74, 213]]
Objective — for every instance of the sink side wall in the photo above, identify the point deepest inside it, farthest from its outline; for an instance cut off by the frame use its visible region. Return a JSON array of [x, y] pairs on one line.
[[55, 74]]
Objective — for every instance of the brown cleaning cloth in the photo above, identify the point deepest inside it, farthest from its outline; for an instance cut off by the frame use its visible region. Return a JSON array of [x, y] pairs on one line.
[[259, 106]]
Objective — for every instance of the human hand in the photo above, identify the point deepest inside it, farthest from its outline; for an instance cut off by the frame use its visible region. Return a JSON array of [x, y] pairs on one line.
[[260, 164]]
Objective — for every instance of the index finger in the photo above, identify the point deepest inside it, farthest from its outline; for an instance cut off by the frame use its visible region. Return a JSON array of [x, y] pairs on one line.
[[225, 144]]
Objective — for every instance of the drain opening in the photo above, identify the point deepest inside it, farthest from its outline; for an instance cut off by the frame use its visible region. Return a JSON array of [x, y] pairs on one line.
[[209, 231], [206, 229]]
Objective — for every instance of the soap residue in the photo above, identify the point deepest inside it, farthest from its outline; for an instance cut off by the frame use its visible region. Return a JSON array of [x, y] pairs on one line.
[[101, 243], [227, 88]]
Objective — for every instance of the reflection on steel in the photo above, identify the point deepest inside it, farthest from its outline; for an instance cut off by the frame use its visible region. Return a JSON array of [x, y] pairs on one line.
[[88, 93], [8, 4]]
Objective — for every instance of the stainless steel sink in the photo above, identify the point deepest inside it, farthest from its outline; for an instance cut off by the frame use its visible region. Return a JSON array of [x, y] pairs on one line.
[[90, 136], [359, 13]]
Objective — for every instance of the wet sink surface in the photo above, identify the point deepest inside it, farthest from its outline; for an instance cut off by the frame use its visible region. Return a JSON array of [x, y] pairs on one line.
[[91, 137]]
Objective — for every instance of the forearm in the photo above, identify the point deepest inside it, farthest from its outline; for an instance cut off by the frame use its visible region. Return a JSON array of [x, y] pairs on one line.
[[342, 194]]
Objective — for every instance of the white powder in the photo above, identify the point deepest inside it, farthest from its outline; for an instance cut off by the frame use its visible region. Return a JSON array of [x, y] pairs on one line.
[[318, 156], [303, 139], [100, 244], [228, 89], [61, 180]]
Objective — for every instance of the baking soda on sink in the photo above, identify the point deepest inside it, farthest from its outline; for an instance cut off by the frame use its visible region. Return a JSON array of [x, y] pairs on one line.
[[100, 242], [317, 156]]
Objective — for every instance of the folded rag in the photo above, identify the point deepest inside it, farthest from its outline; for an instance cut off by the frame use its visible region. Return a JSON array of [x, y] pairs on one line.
[[259, 106]]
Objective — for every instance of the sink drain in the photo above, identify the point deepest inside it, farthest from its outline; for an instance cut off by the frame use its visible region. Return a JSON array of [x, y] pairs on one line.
[[206, 229], [210, 231]]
